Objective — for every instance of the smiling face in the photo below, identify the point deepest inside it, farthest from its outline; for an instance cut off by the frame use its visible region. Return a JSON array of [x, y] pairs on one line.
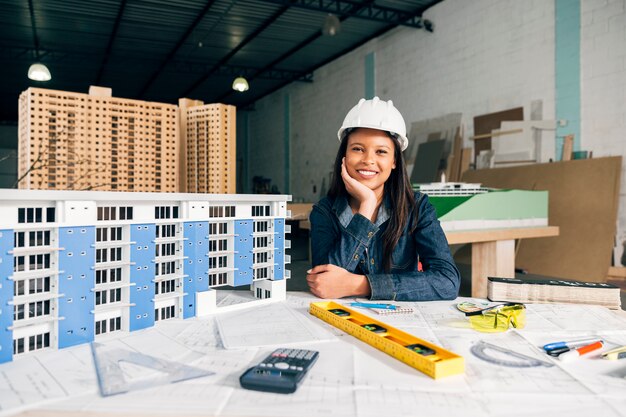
[[370, 158]]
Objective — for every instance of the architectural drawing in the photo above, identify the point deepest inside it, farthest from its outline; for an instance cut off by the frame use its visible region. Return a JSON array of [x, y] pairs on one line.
[[79, 264]]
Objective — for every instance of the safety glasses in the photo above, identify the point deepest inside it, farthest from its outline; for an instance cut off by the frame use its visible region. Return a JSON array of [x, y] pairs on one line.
[[498, 318]]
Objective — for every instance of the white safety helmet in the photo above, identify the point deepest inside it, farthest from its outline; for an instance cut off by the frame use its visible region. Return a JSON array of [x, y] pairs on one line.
[[376, 114]]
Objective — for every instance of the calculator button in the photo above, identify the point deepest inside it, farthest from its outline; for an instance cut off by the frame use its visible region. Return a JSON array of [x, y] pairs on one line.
[[269, 365], [282, 365]]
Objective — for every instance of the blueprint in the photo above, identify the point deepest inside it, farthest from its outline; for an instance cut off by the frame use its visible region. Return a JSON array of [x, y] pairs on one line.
[[350, 377]]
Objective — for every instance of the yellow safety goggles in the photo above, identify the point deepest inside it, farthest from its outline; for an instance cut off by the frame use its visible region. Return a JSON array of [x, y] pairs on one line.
[[498, 318]]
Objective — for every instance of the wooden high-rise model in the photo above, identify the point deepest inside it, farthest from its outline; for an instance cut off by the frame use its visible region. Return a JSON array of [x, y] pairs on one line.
[[75, 141], [208, 144]]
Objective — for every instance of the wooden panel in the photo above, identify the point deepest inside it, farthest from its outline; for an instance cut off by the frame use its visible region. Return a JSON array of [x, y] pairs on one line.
[[491, 259], [484, 124], [472, 236], [583, 202]]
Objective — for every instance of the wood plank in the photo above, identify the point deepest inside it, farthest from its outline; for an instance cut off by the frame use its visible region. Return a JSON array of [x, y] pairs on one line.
[[497, 133], [491, 259], [568, 148], [472, 236]]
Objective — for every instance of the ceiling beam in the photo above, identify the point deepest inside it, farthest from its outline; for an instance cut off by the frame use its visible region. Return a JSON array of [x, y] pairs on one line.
[[371, 11], [287, 54], [238, 70], [12, 55], [332, 58], [107, 53], [174, 50], [236, 49], [34, 26]]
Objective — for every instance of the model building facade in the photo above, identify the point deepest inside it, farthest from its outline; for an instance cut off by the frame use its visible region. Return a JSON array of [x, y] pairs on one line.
[[75, 265], [208, 145], [74, 141]]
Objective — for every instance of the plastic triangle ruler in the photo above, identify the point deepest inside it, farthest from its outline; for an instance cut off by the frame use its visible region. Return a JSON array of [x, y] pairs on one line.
[[424, 356], [150, 371]]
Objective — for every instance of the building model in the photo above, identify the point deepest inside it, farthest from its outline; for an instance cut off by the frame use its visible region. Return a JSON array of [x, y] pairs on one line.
[[75, 265], [464, 206], [75, 141], [207, 142]]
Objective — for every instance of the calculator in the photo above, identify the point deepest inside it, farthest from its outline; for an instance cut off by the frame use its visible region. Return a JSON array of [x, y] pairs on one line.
[[281, 371]]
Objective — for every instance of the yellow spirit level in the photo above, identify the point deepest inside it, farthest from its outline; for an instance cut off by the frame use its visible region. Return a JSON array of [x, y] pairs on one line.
[[424, 356]]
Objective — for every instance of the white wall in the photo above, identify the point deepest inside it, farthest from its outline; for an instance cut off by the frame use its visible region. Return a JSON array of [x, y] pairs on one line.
[[484, 56], [603, 85]]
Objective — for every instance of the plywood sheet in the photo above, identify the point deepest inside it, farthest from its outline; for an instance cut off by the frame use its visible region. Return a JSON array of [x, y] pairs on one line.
[[427, 162], [485, 123], [443, 127], [583, 202]]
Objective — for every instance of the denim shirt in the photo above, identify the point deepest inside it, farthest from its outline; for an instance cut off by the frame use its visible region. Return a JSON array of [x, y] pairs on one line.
[[354, 243]]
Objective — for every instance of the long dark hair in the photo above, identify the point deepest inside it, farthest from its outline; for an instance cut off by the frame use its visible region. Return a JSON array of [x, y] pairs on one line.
[[397, 192]]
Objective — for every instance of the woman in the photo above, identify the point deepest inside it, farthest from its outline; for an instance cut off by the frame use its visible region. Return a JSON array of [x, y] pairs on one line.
[[369, 233]]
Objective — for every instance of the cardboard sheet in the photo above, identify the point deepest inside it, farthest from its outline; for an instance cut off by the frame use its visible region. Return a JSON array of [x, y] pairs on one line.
[[583, 202]]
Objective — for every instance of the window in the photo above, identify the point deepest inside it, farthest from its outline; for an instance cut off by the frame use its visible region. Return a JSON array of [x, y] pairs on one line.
[[108, 255], [218, 245], [260, 273], [165, 287], [114, 213], [218, 279], [114, 324], [38, 285], [101, 297], [218, 262], [35, 262], [260, 257], [108, 275], [164, 313], [165, 249], [113, 295], [260, 211], [31, 239], [166, 212], [222, 211], [35, 214], [165, 268], [260, 242], [260, 226], [166, 230], [31, 310], [104, 234], [35, 342]]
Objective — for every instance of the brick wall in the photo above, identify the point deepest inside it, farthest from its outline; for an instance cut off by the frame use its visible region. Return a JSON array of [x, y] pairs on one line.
[[484, 56]]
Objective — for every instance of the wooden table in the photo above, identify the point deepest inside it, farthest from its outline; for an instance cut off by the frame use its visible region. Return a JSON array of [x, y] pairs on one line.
[[493, 251]]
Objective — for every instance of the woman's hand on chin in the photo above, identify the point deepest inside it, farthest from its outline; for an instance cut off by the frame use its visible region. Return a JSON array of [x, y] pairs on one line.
[[362, 194]]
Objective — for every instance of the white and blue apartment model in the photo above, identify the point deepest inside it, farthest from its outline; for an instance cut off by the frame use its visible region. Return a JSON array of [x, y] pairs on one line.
[[75, 265]]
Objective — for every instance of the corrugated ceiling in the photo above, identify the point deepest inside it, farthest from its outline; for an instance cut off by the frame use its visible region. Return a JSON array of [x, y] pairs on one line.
[[162, 50]]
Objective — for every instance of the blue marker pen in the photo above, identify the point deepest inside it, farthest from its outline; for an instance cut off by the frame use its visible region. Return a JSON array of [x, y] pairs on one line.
[[571, 343], [374, 305]]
